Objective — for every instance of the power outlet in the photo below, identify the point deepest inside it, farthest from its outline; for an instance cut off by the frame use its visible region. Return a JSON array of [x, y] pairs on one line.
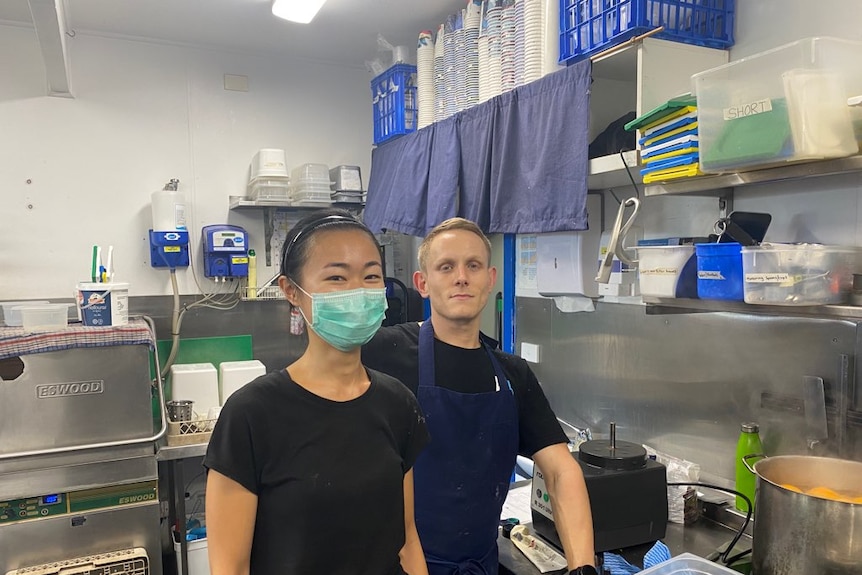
[[530, 352]]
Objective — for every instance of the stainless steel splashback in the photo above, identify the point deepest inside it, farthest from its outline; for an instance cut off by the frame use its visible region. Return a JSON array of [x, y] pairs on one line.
[[683, 383]]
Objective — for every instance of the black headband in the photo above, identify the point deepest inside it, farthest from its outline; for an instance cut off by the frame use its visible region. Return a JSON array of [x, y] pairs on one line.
[[310, 227]]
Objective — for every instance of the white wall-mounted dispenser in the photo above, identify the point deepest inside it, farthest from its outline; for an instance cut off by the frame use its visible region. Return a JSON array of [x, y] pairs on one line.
[[566, 261]]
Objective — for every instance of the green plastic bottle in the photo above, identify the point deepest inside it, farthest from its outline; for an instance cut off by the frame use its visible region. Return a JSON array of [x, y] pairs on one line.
[[748, 444]]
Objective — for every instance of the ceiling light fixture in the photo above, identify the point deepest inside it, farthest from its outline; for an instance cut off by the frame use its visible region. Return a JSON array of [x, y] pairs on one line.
[[301, 11]]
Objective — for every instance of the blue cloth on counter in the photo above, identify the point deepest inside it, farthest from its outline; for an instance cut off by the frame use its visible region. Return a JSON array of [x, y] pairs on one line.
[[616, 565]]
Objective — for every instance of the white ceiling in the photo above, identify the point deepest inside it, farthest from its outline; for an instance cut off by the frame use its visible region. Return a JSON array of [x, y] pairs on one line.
[[344, 31]]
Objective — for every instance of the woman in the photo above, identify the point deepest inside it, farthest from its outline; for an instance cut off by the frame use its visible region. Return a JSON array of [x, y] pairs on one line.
[[310, 467]]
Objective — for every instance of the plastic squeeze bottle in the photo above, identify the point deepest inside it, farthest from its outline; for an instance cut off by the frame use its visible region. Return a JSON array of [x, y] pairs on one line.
[[748, 444]]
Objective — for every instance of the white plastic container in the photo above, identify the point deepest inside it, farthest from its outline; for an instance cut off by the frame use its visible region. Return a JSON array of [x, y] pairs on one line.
[[43, 317], [782, 105], [11, 315], [232, 375], [199, 561], [311, 193], [197, 382], [102, 304], [798, 274], [169, 211], [346, 178], [688, 564], [271, 188], [311, 174], [661, 270], [268, 163]]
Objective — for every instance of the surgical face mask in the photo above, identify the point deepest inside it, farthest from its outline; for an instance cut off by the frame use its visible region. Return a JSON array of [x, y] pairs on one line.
[[346, 319]]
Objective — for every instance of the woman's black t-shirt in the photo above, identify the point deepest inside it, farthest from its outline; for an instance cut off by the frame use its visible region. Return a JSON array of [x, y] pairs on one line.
[[328, 475]]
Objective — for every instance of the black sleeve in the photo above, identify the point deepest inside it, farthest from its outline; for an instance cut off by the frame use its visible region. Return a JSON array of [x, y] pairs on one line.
[[394, 350], [231, 450], [537, 425]]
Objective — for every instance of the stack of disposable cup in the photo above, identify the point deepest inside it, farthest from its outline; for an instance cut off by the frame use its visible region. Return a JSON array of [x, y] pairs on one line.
[[450, 57], [472, 21], [425, 78], [494, 15], [439, 76], [483, 64], [532, 40], [460, 69], [519, 42], [507, 46]]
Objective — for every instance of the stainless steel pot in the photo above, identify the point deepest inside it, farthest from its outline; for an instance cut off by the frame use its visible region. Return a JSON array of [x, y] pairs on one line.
[[800, 534]]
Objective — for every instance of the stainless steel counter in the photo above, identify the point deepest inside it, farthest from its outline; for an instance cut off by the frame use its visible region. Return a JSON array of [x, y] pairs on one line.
[[702, 538]]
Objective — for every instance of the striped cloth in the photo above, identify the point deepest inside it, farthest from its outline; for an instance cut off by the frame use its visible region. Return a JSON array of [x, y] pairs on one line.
[[14, 341]]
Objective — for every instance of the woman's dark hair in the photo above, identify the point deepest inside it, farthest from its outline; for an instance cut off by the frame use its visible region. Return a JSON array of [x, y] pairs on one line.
[[294, 252]]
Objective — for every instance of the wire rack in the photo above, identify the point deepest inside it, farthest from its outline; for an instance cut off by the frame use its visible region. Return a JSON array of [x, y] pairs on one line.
[[268, 293], [190, 432]]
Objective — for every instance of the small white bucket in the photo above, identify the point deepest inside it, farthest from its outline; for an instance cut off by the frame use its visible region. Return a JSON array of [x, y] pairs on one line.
[[102, 304]]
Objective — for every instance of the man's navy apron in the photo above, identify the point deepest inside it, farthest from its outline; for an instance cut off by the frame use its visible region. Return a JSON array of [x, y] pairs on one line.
[[462, 477]]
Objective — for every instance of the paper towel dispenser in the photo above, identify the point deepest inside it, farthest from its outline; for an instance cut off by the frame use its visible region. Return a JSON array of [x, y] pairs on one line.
[[566, 261]]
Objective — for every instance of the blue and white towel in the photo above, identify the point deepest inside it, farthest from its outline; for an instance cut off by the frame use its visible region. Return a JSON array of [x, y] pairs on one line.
[[616, 565]]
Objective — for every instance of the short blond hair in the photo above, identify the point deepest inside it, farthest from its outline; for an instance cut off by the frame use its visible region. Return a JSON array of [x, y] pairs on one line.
[[448, 226]]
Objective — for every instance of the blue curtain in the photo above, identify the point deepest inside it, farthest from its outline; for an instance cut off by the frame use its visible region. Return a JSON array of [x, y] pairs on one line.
[[539, 163], [414, 180], [515, 164]]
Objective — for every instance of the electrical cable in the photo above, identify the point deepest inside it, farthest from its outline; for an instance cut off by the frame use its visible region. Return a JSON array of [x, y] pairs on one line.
[[724, 556], [626, 166]]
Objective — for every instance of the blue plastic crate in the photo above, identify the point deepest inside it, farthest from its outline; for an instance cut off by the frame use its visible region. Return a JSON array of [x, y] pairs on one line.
[[590, 26], [393, 96]]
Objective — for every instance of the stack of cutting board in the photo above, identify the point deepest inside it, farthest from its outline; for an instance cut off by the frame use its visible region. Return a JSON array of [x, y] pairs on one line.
[[668, 140]]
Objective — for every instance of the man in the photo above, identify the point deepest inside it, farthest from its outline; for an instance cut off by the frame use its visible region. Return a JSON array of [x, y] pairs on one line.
[[482, 408]]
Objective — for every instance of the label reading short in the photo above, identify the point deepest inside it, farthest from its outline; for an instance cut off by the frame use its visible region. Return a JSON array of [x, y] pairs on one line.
[[768, 278], [660, 272], [705, 275], [749, 109]]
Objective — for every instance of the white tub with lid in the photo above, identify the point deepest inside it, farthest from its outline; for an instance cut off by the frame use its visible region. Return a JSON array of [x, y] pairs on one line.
[[660, 269]]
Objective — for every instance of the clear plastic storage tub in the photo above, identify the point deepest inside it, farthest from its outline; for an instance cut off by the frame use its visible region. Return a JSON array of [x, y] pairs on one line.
[[311, 174], [783, 105], [43, 317], [688, 564], [12, 311], [346, 178], [667, 271], [798, 274], [269, 188]]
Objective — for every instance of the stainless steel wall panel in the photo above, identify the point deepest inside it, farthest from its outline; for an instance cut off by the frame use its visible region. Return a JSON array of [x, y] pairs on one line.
[[683, 383]]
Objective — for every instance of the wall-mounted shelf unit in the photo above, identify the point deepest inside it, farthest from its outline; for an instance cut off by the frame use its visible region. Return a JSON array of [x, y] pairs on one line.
[[638, 78], [719, 185], [609, 172], [242, 202], [659, 305]]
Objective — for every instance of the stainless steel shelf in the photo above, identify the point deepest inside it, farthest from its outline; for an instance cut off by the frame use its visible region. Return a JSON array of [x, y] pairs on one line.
[[676, 305], [718, 185], [169, 453], [242, 202], [609, 172]]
